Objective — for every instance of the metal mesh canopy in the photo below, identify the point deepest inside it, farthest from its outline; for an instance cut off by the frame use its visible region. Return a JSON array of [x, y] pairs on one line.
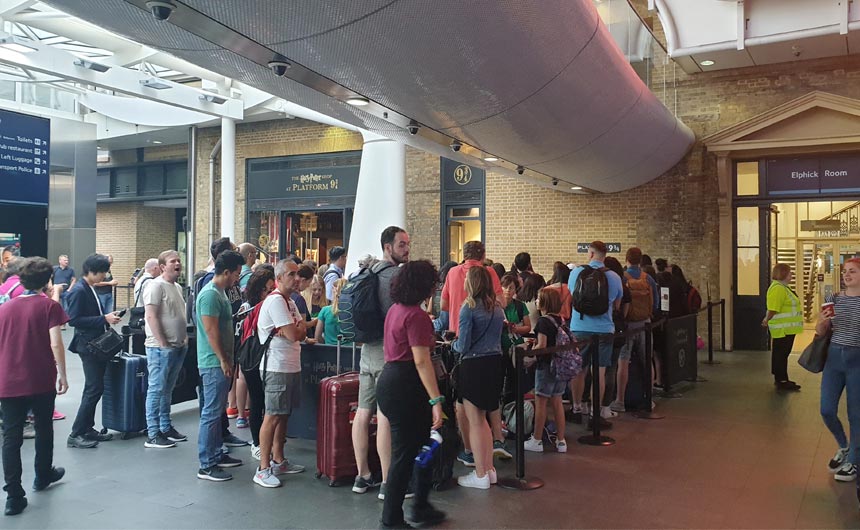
[[538, 83]]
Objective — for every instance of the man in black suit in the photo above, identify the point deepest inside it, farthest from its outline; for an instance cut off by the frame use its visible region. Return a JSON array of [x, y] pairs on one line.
[[90, 321]]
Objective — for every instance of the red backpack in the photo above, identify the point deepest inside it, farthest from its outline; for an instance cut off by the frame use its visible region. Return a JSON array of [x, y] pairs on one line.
[[694, 300]]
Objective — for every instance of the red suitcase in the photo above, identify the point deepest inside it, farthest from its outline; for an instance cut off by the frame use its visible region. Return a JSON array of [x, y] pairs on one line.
[[338, 403]]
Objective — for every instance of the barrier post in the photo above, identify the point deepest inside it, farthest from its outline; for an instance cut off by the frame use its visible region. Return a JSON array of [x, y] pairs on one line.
[[723, 324], [595, 438], [648, 412], [711, 335], [520, 481]]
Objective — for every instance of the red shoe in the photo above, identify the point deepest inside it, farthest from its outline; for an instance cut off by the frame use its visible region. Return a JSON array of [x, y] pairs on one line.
[[58, 415], [232, 412]]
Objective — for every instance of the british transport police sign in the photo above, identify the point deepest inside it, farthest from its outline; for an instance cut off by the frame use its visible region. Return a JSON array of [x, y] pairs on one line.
[[24, 158]]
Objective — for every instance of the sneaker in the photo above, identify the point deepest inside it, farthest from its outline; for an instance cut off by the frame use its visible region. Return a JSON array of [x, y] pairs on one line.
[[494, 477], [225, 450], [15, 505], [241, 423], [846, 473], [98, 436], [607, 413], [231, 440], [561, 446], [232, 412], [534, 445], [266, 478], [214, 473], [57, 473], [468, 459], [361, 484], [174, 436], [255, 452], [228, 461], [837, 460], [159, 442], [286, 468], [426, 515], [80, 442], [576, 414], [617, 406], [472, 480], [58, 415], [29, 431], [501, 451]]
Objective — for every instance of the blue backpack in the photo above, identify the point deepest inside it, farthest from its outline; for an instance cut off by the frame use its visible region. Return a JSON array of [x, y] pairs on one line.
[[567, 363]]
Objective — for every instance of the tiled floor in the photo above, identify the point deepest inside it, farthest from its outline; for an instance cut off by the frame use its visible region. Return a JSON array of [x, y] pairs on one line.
[[731, 453]]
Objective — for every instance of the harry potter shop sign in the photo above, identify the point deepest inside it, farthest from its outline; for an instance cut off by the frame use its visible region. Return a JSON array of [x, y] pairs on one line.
[[813, 175], [338, 181]]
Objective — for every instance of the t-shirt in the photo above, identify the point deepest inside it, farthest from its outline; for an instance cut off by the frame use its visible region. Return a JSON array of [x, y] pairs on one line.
[[406, 326], [547, 325], [331, 325], [600, 323], [105, 289], [144, 282], [284, 355], [212, 302], [244, 277], [171, 312], [455, 290], [27, 365], [301, 305], [62, 275], [846, 320], [333, 274], [12, 286], [514, 313]]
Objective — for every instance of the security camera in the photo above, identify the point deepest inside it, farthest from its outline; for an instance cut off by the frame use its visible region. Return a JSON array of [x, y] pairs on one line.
[[161, 10], [555, 182], [521, 170], [279, 67], [456, 145], [413, 127]]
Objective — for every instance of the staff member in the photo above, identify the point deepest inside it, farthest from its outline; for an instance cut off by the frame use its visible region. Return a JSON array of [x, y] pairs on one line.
[[784, 320]]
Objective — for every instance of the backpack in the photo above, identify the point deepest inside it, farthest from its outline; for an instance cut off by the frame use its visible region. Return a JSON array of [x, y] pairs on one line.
[[694, 300], [191, 303], [591, 292], [250, 352], [332, 271], [359, 311], [567, 363], [641, 298], [5, 297]]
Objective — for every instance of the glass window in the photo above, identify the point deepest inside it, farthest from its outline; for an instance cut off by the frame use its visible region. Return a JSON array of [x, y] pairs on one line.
[[176, 179], [462, 227], [748, 226], [748, 272], [125, 182], [747, 178], [264, 231], [7, 90], [152, 181], [103, 184]]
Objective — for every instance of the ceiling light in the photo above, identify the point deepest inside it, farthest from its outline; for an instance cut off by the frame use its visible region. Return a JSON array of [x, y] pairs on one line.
[[357, 101], [96, 67], [576, 188], [156, 141], [213, 98], [707, 62], [16, 45], [155, 83], [491, 158]]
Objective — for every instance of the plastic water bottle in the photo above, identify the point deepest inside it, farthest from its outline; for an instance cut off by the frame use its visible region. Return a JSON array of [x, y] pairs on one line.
[[429, 449]]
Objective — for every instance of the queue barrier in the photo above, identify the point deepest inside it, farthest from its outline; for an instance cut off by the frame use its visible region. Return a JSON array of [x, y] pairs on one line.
[[710, 309]]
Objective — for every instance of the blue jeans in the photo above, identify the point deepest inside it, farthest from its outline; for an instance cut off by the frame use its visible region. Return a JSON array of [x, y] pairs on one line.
[[215, 390], [842, 371], [106, 300], [603, 347], [164, 365]]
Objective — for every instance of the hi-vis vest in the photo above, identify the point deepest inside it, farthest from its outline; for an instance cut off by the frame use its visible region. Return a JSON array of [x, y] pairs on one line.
[[789, 319]]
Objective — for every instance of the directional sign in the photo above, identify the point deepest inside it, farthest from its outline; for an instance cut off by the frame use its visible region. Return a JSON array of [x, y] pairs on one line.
[[24, 158]]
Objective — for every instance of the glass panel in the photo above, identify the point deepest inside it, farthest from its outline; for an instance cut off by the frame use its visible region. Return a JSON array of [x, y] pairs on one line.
[[459, 232], [748, 271], [264, 230], [125, 182], [747, 180], [7, 90], [103, 184], [748, 226], [176, 179], [152, 181], [458, 213]]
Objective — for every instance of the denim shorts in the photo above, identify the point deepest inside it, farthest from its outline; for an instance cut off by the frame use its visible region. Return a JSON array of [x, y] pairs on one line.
[[546, 385], [604, 348]]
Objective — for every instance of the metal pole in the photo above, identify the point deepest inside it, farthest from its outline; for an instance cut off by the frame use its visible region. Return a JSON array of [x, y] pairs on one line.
[[723, 324], [595, 438], [520, 481], [711, 335], [647, 413]]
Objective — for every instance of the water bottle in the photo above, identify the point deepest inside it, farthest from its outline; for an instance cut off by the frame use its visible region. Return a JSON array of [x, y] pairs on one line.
[[429, 449]]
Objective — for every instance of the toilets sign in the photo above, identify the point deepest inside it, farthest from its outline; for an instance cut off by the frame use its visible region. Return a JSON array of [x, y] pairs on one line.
[[812, 175], [24, 158]]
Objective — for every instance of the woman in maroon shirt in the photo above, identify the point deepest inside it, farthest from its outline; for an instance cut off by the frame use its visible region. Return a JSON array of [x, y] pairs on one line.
[[32, 373], [407, 392]]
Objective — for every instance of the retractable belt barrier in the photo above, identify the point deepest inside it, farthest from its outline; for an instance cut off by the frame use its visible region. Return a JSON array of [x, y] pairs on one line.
[[710, 309]]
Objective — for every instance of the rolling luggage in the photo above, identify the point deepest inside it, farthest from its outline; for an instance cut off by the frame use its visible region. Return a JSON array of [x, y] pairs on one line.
[[446, 454], [124, 398], [337, 407]]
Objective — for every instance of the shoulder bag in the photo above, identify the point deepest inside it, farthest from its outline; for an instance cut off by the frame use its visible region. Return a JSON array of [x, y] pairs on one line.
[[137, 315], [107, 345], [814, 356]]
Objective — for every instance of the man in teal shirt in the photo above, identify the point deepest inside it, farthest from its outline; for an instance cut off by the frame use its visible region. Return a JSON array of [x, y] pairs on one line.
[[249, 253], [215, 363]]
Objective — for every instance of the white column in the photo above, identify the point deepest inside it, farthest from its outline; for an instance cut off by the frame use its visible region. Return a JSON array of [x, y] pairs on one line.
[[380, 200], [228, 179]]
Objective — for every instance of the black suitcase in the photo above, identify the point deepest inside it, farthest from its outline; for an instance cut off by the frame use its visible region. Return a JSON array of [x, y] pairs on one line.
[[634, 398], [189, 376], [124, 399]]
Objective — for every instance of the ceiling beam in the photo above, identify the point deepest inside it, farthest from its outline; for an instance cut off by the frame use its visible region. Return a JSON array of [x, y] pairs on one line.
[[10, 7]]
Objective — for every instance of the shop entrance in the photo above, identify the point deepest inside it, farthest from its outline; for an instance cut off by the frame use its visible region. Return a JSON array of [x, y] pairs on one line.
[[308, 234]]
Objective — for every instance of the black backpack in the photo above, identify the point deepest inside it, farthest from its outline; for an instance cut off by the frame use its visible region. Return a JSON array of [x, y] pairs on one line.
[[359, 311], [591, 292]]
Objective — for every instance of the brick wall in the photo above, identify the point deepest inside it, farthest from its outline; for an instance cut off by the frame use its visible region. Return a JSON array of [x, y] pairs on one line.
[[423, 201]]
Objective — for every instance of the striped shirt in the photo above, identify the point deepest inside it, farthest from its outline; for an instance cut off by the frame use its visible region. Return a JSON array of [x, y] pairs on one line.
[[846, 322]]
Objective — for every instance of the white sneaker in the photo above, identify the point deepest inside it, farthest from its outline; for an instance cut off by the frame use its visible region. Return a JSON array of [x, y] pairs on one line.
[[472, 480], [265, 478], [561, 446], [494, 478], [846, 473], [255, 452], [286, 468], [838, 460], [617, 406], [607, 413], [534, 445]]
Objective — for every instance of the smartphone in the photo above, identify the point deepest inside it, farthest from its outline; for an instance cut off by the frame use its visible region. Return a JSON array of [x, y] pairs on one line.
[[121, 314]]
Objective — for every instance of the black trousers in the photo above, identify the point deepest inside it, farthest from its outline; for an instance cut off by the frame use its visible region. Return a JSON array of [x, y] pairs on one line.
[[401, 397], [258, 401], [94, 387], [14, 417], [780, 350]]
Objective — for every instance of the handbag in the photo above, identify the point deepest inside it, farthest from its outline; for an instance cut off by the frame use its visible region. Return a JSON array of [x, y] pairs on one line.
[[137, 315], [814, 356], [107, 345]]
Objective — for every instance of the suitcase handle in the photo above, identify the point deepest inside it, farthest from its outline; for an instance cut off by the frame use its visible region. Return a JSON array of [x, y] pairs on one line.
[[353, 356], [337, 362]]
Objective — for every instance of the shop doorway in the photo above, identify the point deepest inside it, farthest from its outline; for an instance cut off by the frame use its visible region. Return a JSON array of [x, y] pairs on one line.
[[464, 224], [308, 234]]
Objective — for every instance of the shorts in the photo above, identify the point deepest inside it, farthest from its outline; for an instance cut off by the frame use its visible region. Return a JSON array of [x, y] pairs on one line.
[[479, 381], [604, 348], [370, 366], [546, 385], [283, 393], [635, 339]]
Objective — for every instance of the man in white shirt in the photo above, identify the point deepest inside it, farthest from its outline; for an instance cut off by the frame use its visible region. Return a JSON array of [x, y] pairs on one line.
[[151, 270], [281, 373]]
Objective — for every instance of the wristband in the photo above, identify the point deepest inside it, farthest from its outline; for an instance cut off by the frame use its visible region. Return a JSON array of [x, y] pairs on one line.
[[435, 400]]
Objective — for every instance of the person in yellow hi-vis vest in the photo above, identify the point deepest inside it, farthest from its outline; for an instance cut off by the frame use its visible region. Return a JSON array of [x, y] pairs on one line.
[[784, 319]]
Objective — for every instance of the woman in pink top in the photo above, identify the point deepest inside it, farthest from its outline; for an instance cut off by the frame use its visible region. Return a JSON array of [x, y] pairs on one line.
[[407, 393]]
